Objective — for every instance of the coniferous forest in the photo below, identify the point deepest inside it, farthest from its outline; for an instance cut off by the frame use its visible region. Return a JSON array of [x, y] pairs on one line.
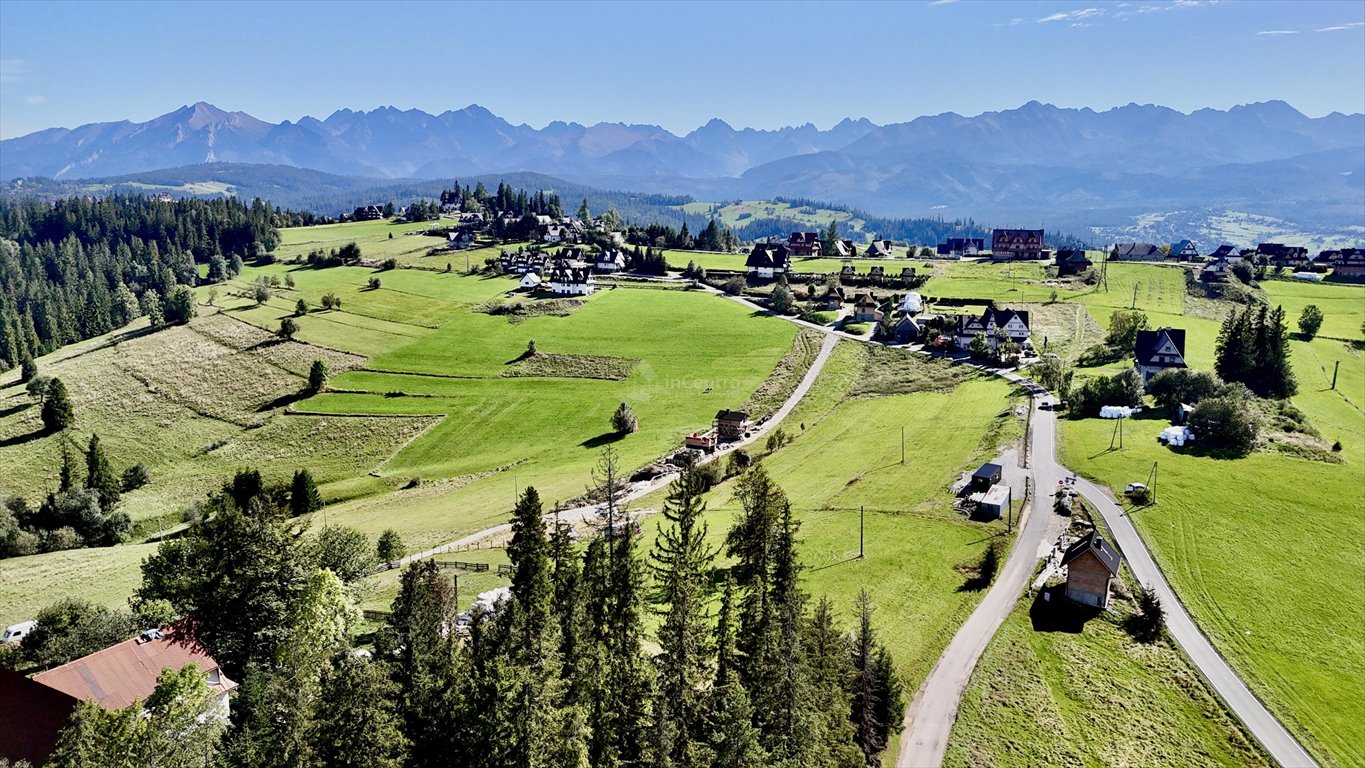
[[739, 666], [79, 267]]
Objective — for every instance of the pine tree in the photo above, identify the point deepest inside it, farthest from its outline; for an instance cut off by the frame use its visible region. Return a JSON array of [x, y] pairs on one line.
[[623, 421], [750, 542], [734, 738], [99, 476], [876, 690], [303, 494], [360, 726], [67, 478], [57, 413], [682, 566], [727, 654]]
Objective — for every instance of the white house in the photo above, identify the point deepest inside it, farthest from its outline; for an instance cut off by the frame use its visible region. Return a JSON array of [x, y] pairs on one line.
[[610, 260], [572, 281], [554, 234], [768, 260], [530, 281], [1011, 323], [1158, 350]]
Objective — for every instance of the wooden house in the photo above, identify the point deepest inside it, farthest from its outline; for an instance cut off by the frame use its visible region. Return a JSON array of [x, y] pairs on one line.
[[1158, 350], [957, 247], [1091, 565], [1226, 252], [768, 260], [1349, 264], [845, 249], [1136, 252], [1014, 244], [907, 273], [1217, 270], [834, 299], [1072, 261], [877, 272], [802, 244], [848, 270], [879, 249], [1012, 324], [907, 330], [1185, 250], [1291, 257], [731, 425], [866, 309], [609, 261]]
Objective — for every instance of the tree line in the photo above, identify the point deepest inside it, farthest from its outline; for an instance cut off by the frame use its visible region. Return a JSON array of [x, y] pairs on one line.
[[750, 671], [77, 268]]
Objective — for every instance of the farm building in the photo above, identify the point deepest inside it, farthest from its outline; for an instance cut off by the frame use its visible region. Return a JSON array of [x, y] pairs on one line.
[[1136, 252], [572, 281], [731, 425], [801, 244], [987, 475], [1091, 565], [996, 502], [879, 249], [122, 674], [1013, 323], [957, 247], [1008, 244], [768, 260], [1185, 250], [1072, 261], [1158, 350]]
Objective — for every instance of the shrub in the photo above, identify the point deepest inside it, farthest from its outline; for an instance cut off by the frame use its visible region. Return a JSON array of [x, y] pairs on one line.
[[60, 539], [1123, 388], [623, 422], [300, 308], [317, 376], [1310, 321], [1174, 386], [1225, 422], [1145, 626], [72, 628], [135, 477], [735, 285], [288, 327], [390, 547], [1123, 329], [373, 284], [782, 301], [344, 551]]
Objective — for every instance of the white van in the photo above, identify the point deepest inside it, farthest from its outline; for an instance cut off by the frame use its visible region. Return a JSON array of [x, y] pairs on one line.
[[16, 632]]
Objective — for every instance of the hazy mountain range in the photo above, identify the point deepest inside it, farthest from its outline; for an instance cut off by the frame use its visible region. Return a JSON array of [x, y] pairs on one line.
[[1036, 164]]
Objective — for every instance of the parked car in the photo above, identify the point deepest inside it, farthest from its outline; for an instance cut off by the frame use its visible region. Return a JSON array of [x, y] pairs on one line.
[[16, 632]]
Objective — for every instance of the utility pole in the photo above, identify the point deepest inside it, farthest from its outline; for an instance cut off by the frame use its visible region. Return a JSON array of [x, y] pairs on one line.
[[1335, 368], [860, 532], [902, 444], [1135, 290]]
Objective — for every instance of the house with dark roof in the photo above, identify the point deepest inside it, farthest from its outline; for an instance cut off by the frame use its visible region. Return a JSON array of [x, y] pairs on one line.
[[845, 249], [801, 244], [1218, 269], [1349, 264], [1137, 252], [1291, 257], [1226, 251], [907, 273], [907, 330], [866, 309], [1158, 350], [1014, 244], [571, 281], [768, 260], [122, 674], [1072, 261], [879, 249], [1012, 324], [609, 260], [33, 716], [877, 272], [1091, 565], [731, 425], [986, 475], [1185, 250], [957, 247]]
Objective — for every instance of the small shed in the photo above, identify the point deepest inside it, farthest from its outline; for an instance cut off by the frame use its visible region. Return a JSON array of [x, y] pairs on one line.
[[531, 281], [731, 425], [988, 475], [1091, 564], [996, 502]]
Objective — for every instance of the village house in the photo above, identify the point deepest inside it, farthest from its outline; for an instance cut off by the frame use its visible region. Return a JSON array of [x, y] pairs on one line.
[[802, 244], [1072, 261], [731, 425], [907, 273], [1010, 323], [907, 330], [1158, 350], [1218, 270], [957, 247], [123, 674], [1348, 263], [1136, 252], [530, 281], [877, 272], [866, 309], [554, 234], [848, 271], [1015, 244], [1291, 257], [768, 260], [33, 716], [845, 249], [571, 281], [1091, 565], [609, 261], [1185, 250], [834, 299], [1228, 252], [368, 213], [879, 249]]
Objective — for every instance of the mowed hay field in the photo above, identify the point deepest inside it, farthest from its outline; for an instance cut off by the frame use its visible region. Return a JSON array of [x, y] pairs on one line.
[[1044, 694], [1267, 551]]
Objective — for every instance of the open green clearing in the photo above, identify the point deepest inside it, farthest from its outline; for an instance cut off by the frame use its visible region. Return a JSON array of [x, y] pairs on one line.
[[740, 213], [1092, 697]]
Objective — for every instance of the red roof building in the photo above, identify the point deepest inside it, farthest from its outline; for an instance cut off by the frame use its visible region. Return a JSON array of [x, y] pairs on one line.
[[122, 674]]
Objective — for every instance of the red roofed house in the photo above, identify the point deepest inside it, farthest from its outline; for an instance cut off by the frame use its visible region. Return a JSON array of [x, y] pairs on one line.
[[33, 716], [121, 674]]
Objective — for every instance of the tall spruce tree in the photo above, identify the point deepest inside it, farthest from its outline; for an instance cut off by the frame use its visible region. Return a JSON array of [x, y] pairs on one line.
[[99, 476], [877, 698], [303, 494], [681, 564]]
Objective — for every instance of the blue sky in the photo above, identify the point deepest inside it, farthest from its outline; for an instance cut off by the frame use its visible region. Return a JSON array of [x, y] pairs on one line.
[[677, 65]]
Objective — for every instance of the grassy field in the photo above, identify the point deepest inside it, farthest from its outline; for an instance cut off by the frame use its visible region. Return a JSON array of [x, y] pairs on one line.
[[739, 214], [1043, 695], [1246, 543]]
